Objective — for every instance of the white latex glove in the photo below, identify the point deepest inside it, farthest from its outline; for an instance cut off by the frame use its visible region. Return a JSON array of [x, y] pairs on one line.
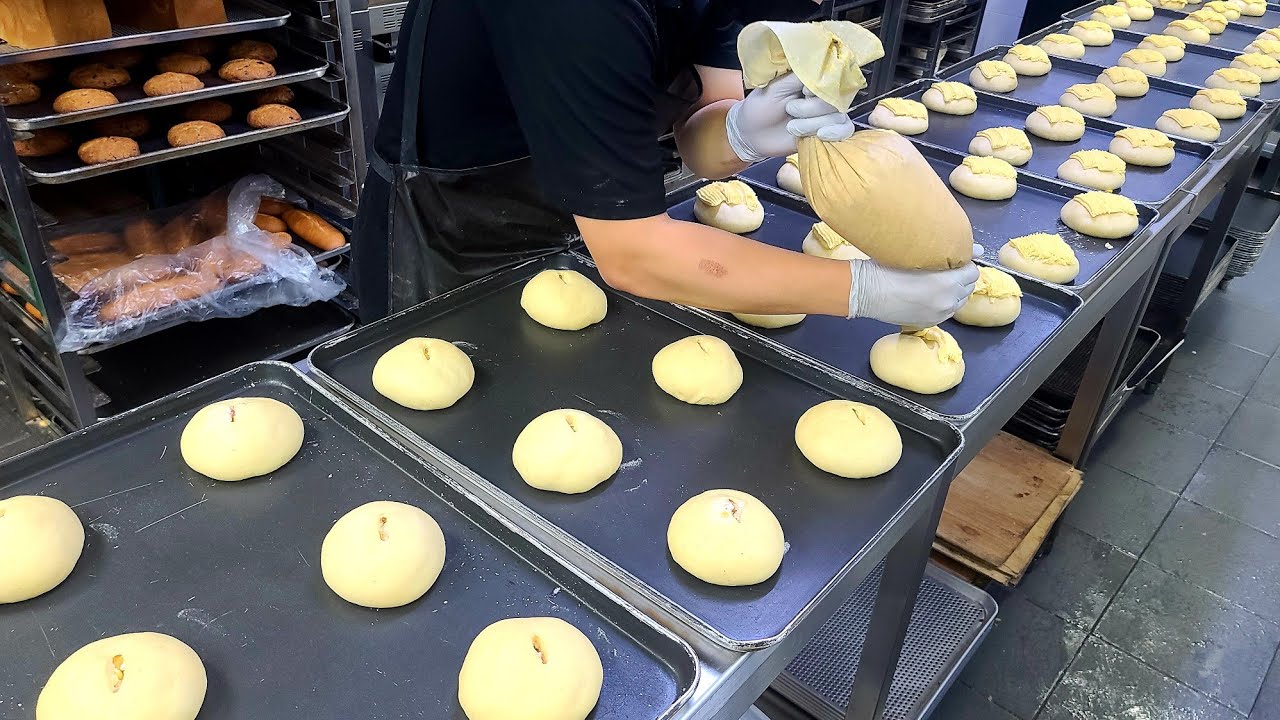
[[912, 298], [767, 122]]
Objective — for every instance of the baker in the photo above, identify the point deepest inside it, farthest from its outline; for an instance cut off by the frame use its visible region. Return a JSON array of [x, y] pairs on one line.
[[509, 128]]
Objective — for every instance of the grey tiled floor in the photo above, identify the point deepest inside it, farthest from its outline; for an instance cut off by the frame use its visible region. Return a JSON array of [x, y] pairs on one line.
[[1161, 598]]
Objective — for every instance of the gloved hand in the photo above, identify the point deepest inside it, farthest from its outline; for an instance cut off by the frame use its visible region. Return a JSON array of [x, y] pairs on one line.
[[913, 298], [767, 122]]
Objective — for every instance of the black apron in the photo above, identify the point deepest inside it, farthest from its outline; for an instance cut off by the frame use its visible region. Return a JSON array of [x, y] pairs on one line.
[[445, 228]]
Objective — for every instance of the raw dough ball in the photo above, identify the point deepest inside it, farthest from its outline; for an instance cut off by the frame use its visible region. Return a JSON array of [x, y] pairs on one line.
[[824, 242], [726, 537], [1253, 8], [1097, 169], [1219, 102], [927, 361], [1101, 215], [1245, 82], [984, 178], [424, 374], [563, 300], [1092, 33], [770, 322], [567, 451], [849, 439], [1139, 10], [1117, 16], [950, 98], [1125, 81], [241, 438], [1056, 122], [1041, 255], [1214, 22], [994, 76], [1140, 146], [1172, 49], [1268, 46], [901, 115], [1028, 60], [1060, 45], [138, 676], [1008, 144], [699, 370], [382, 554], [1190, 123], [995, 301], [1265, 67], [1227, 10], [539, 668], [730, 205], [1145, 60], [40, 541], [789, 175], [1188, 30], [1090, 99]]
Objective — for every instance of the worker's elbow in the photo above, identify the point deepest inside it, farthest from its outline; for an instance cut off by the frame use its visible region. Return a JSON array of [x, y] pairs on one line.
[[622, 251], [619, 274]]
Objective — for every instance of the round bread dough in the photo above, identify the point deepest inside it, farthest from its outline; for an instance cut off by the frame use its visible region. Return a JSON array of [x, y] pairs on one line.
[[789, 175], [1125, 81], [1091, 99], [1117, 16], [382, 554], [699, 370], [1061, 45], [884, 117], [950, 98], [1172, 49], [730, 205], [1041, 255], [984, 178], [770, 322], [1003, 78], [1188, 30], [1173, 4], [241, 438], [1056, 122], [563, 300], [1143, 147], [726, 537], [539, 668], [1245, 82], [1219, 102], [566, 451], [823, 242], [41, 540], [1268, 46], [849, 439], [1101, 215], [424, 374], [1028, 60], [1092, 33], [141, 676], [1228, 10], [1265, 67], [1213, 21], [1008, 144], [1097, 169], [1252, 8], [1145, 60], [1139, 10], [995, 301], [1190, 123], [927, 361]]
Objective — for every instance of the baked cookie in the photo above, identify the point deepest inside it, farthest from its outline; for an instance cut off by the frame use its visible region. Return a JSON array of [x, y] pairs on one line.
[[171, 83], [245, 69], [252, 50], [132, 125], [99, 76], [73, 100], [26, 72], [193, 132], [18, 93], [42, 143], [124, 57], [214, 111], [279, 95], [107, 149], [273, 115], [185, 63]]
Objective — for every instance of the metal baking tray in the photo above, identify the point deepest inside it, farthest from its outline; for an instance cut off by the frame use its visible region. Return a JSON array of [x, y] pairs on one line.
[[1269, 19], [1035, 208], [673, 450], [233, 570], [1140, 112], [1153, 186], [316, 111], [1196, 65], [1237, 36], [291, 66], [993, 356], [242, 16]]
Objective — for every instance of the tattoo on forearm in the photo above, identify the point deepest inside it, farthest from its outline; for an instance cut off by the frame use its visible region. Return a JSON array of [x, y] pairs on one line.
[[712, 268]]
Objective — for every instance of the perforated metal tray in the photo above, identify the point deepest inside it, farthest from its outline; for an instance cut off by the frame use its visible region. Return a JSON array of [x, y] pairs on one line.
[[1237, 36]]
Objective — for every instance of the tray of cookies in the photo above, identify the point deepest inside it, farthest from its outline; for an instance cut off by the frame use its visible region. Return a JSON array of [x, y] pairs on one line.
[[1233, 35], [993, 353], [169, 75], [170, 133], [250, 575], [1187, 160], [657, 445]]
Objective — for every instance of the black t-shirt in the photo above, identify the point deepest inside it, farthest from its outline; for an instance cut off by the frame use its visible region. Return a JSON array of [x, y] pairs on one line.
[[577, 84]]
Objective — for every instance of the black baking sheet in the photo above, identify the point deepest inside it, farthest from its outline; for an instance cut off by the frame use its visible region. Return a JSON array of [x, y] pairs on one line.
[[1142, 184], [1140, 112], [233, 570], [1237, 36], [672, 450], [991, 355]]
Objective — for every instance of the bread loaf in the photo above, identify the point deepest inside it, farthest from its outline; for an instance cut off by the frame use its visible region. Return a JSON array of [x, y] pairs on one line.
[[154, 296], [879, 193], [43, 23], [85, 243], [142, 237], [167, 14], [314, 229]]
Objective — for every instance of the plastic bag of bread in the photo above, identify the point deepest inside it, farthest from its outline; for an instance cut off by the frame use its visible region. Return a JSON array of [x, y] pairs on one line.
[[879, 193], [208, 259]]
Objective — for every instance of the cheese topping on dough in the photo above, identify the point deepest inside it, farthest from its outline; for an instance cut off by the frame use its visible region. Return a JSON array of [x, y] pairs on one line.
[[1205, 14], [1060, 114], [1163, 41], [1188, 24], [1221, 8], [1105, 203], [1173, 4], [903, 107], [1134, 3], [729, 192], [1004, 136], [1099, 160], [996, 68], [1031, 53], [1266, 45], [1258, 60], [1111, 11], [1062, 39], [827, 237], [1142, 137], [952, 91], [941, 341], [1045, 247], [996, 284], [794, 159], [1224, 96], [1188, 117], [1088, 91], [989, 166], [1093, 25], [1119, 74], [1238, 75], [1144, 55]]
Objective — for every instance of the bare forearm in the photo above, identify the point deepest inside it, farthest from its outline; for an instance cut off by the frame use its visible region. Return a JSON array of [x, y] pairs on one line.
[[704, 144]]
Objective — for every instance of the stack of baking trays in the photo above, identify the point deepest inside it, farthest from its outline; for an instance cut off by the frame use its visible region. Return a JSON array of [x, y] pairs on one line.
[[1255, 221]]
